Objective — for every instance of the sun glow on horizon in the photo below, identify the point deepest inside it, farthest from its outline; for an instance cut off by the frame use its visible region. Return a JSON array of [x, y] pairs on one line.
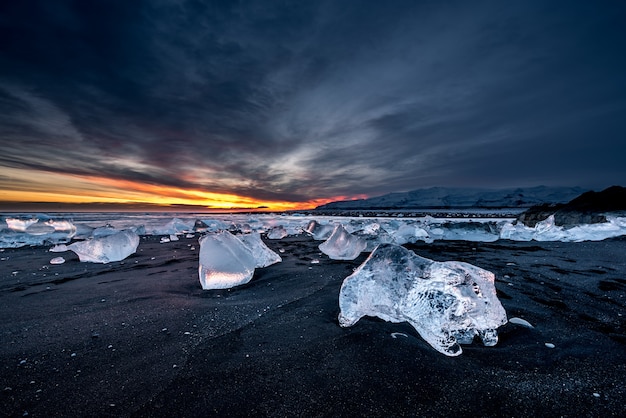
[[26, 186]]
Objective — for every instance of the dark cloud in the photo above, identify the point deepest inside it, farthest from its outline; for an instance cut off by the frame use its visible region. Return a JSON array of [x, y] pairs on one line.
[[301, 100]]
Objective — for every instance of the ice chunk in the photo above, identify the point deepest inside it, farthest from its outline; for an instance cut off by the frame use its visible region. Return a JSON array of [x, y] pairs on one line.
[[471, 231], [173, 227], [115, 247], [262, 254], [277, 232], [373, 235], [448, 303], [319, 232], [57, 260], [62, 225], [104, 231], [516, 232], [20, 225], [342, 245], [520, 321], [59, 248], [409, 233], [225, 261], [40, 229]]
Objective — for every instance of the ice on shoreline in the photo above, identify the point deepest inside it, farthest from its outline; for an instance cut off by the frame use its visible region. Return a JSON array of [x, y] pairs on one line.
[[115, 247], [341, 245], [224, 262], [17, 230], [448, 303]]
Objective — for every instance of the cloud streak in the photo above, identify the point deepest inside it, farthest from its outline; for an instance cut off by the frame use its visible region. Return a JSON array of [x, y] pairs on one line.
[[294, 101]]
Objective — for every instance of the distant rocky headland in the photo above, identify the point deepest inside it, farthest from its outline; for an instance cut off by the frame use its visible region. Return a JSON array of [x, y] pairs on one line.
[[569, 205], [588, 208]]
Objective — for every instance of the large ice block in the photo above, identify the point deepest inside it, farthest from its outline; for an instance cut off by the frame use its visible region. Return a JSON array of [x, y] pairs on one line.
[[342, 245], [263, 256], [115, 247], [448, 303], [225, 261]]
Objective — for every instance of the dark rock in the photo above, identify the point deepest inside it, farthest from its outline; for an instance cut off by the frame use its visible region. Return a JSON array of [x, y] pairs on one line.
[[588, 208]]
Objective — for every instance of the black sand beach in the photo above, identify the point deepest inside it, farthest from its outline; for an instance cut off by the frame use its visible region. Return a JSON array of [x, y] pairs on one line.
[[141, 338]]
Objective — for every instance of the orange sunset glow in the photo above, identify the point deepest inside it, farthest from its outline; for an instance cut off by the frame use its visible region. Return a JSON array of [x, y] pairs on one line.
[[71, 189]]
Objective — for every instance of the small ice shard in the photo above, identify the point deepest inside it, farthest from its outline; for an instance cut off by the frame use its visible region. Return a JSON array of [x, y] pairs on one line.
[[342, 245], [520, 321], [164, 240], [59, 248], [277, 232], [173, 237], [105, 249], [57, 260], [448, 303], [225, 261], [262, 254], [550, 345], [319, 232]]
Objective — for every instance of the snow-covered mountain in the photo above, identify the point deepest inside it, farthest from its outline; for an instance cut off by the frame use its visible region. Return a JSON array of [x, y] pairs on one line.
[[445, 197]]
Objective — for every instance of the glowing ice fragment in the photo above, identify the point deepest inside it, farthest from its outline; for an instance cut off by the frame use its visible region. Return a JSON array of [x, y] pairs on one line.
[[115, 247], [342, 245], [225, 261], [448, 303], [262, 254]]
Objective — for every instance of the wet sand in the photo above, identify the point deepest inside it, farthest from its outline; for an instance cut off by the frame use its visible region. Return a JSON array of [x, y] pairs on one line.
[[141, 338]]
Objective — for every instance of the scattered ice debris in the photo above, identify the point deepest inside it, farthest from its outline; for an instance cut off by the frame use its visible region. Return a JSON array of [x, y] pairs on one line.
[[41, 229], [520, 321], [225, 261], [448, 303], [57, 260], [546, 230], [106, 249], [277, 232], [549, 345], [262, 254], [342, 245], [59, 248]]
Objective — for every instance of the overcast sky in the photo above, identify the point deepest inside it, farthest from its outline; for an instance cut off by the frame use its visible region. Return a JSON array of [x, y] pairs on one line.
[[301, 100]]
